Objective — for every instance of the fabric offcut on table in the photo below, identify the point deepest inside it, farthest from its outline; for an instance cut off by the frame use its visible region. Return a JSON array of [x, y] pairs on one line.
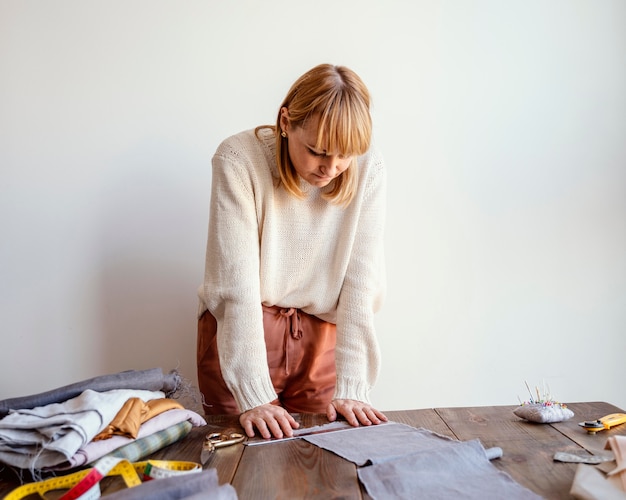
[[48, 435], [147, 380], [606, 481], [198, 486], [406, 462], [617, 444]]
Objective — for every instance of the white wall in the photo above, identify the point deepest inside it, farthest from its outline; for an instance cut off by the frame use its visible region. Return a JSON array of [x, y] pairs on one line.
[[503, 124]]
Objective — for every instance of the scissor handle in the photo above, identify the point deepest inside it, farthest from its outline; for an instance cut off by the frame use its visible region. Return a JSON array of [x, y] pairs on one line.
[[220, 440]]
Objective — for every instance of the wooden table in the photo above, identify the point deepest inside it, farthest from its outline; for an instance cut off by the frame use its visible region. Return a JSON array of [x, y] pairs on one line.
[[297, 469]]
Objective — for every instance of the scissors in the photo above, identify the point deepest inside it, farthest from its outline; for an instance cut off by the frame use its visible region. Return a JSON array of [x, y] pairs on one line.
[[217, 440]]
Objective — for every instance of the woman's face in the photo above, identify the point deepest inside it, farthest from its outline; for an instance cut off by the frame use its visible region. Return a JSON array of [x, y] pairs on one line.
[[315, 166]]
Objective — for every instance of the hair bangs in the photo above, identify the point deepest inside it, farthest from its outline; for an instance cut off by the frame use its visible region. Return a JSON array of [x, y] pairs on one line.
[[344, 126]]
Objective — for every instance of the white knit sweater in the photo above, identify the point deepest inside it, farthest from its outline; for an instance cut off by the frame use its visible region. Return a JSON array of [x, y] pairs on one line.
[[267, 246]]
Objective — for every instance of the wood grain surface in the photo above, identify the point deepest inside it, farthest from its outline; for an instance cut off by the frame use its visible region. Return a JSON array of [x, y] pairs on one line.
[[298, 469]]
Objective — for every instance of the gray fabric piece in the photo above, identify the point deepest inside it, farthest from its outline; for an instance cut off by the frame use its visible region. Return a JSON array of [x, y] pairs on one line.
[[459, 470], [148, 380], [406, 462], [198, 486], [378, 443]]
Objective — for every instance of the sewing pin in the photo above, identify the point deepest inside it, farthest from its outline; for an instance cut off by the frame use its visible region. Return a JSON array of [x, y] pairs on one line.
[[529, 392]]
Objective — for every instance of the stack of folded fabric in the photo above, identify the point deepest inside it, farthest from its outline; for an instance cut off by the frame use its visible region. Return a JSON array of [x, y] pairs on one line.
[[128, 415]]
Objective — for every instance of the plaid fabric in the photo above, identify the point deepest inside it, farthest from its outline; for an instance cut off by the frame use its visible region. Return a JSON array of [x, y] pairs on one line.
[[143, 447]]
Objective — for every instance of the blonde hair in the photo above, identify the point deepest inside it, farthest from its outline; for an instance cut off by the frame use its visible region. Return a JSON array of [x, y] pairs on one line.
[[341, 102]]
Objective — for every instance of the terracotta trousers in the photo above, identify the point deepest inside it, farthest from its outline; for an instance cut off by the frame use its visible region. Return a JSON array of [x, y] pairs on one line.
[[300, 357]]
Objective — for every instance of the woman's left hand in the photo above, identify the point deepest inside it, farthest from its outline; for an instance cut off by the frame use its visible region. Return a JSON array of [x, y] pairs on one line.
[[355, 412]]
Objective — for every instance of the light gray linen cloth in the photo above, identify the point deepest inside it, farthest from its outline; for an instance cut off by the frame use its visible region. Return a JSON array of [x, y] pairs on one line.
[[400, 461], [48, 435], [146, 380]]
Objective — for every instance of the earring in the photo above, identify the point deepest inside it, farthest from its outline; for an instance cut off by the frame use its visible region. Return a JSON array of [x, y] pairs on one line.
[[283, 134]]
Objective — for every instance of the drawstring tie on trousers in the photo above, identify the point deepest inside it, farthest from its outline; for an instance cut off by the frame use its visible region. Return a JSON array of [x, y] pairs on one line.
[[294, 322], [295, 330]]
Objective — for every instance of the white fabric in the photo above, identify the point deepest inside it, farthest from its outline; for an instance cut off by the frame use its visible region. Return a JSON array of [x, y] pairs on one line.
[[48, 435], [267, 246]]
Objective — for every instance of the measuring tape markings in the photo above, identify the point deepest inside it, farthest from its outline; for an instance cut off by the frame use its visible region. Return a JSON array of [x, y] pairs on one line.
[[84, 485], [159, 469], [102, 468]]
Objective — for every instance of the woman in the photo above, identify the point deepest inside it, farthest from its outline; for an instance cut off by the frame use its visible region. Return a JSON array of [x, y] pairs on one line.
[[294, 264]]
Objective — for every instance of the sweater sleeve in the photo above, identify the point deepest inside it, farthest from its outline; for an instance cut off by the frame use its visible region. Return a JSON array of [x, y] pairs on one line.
[[357, 352], [231, 283]]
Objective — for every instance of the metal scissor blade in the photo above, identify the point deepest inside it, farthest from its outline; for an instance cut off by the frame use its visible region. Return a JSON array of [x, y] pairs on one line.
[[208, 450], [217, 440]]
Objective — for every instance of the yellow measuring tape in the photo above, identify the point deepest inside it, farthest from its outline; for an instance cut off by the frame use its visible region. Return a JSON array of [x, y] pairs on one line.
[[84, 485]]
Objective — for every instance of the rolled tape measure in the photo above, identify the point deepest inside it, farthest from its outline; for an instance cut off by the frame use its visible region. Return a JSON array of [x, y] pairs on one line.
[[84, 485]]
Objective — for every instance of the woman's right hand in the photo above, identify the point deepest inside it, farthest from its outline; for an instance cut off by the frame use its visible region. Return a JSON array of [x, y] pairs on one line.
[[270, 420]]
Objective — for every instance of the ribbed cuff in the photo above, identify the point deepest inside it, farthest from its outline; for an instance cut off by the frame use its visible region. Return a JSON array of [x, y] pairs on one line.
[[254, 393], [349, 388]]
